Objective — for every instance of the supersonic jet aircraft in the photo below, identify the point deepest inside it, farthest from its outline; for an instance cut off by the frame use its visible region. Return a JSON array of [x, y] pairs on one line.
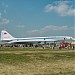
[[6, 37]]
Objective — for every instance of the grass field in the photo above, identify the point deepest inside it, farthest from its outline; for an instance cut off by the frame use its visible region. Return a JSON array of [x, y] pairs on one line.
[[36, 61]]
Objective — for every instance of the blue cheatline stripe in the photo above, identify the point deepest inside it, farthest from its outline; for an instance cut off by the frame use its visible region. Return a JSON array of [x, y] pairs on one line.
[[33, 39]]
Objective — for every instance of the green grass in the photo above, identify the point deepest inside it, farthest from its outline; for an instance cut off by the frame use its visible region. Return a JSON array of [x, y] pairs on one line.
[[36, 61], [27, 49], [29, 57]]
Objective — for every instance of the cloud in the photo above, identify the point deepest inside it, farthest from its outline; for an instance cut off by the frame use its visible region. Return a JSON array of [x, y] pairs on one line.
[[63, 8], [49, 29], [4, 21], [5, 11], [5, 6], [20, 26], [55, 28], [0, 14]]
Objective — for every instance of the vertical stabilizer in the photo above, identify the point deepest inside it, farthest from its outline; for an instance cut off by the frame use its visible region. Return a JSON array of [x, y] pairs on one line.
[[5, 36]]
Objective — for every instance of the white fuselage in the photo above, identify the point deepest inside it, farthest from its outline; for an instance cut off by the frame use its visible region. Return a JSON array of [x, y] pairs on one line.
[[5, 36], [39, 39]]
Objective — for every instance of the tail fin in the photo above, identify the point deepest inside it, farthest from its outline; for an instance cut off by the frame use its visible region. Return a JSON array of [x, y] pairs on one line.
[[5, 36]]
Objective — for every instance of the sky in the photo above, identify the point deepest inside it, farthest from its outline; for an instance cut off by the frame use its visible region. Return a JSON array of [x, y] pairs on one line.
[[33, 18]]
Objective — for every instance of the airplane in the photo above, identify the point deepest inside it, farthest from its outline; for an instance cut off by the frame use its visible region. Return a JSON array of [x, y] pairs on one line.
[[6, 37]]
